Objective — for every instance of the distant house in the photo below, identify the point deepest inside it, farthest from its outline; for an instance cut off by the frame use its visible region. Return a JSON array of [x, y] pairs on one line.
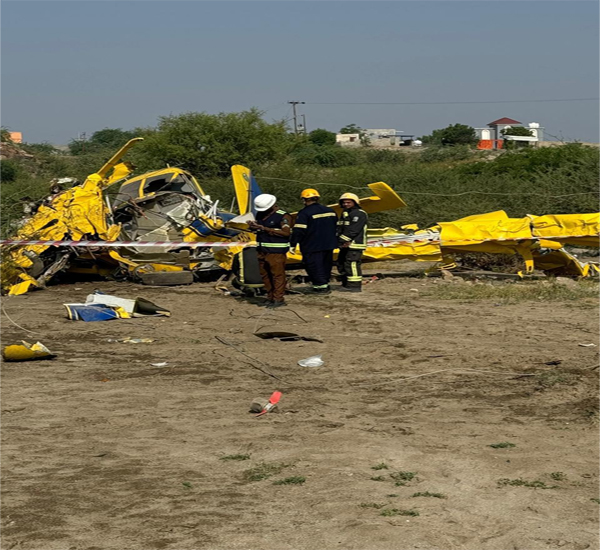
[[377, 138], [380, 133], [348, 140], [16, 137], [388, 137], [491, 137]]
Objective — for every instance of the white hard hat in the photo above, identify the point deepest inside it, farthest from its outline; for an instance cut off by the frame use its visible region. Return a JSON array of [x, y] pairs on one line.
[[264, 202]]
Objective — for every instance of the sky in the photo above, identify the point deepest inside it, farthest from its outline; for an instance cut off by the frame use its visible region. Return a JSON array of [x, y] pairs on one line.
[[70, 67]]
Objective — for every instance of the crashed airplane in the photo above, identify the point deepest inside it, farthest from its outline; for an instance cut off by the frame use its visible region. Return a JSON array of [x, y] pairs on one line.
[[159, 228]]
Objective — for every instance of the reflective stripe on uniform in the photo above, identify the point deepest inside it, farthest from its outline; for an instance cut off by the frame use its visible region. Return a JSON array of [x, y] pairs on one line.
[[241, 260], [320, 286], [343, 237], [301, 225], [364, 239], [355, 276], [325, 215], [274, 245]]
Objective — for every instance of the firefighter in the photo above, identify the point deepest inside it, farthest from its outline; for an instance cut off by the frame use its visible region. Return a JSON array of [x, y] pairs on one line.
[[352, 240], [314, 231], [273, 228]]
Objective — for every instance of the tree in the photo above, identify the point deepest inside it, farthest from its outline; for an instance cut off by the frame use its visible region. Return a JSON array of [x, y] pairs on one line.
[[208, 145], [455, 134], [516, 131], [5, 135], [43, 147], [322, 137], [106, 139], [351, 129], [354, 129], [111, 137]]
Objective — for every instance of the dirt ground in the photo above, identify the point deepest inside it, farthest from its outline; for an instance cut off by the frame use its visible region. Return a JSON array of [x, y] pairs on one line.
[[103, 451]]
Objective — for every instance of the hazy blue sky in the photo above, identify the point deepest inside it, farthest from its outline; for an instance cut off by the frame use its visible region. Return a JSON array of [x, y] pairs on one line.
[[70, 67]]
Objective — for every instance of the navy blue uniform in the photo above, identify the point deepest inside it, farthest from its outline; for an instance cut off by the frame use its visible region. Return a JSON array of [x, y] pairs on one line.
[[315, 232], [352, 235]]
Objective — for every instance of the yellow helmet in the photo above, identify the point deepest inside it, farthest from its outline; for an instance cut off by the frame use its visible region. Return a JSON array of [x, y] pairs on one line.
[[350, 196], [309, 194]]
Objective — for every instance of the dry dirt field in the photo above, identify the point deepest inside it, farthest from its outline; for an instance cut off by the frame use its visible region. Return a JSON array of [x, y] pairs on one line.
[[391, 445]]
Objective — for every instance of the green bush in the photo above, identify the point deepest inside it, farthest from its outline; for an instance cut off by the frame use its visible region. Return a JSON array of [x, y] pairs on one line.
[[385, 156], [443, 154], [534, 161], [326, 156], [8, 171], [5, 135], [40, 148], [455, 134], [516, 131], [321, 137]]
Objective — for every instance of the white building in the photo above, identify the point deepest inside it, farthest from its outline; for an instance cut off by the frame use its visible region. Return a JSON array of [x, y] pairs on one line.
[[348, 140], [376, 138], [491, 137], [380, 133]]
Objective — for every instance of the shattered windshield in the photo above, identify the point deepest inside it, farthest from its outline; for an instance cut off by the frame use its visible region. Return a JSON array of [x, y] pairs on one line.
[[175, 182]]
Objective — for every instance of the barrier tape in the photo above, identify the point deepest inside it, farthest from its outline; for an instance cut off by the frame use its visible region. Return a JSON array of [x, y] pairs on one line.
[[181, 244], [381, 242]]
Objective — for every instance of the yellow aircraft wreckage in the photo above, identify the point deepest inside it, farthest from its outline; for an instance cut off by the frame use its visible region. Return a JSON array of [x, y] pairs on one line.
[[159, 228]]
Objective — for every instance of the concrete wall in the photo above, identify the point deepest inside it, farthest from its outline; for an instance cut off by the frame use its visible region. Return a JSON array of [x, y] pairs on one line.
[[383, 142], [348, 140]]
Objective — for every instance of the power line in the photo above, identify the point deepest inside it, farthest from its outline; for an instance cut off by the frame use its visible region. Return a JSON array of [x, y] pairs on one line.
[[273, 107], [454, 102], [402, 192]]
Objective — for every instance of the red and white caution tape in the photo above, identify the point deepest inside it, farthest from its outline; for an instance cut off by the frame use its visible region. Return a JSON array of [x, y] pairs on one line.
[[182, 244]]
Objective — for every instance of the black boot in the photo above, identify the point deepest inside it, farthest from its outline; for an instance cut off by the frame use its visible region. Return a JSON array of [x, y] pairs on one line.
[[350, 289], [320, 290]]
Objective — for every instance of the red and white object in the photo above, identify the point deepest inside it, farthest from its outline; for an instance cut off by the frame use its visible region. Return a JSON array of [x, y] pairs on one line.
[[273, 400]]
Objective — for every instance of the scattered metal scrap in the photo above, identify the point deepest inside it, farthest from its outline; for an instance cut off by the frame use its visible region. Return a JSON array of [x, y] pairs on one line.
[[104, 307], [27, 352], [286, 337]]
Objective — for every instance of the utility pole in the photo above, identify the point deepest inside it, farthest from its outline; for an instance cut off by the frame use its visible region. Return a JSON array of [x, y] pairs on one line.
[[293, 104], [82, 139], [304, 124]]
